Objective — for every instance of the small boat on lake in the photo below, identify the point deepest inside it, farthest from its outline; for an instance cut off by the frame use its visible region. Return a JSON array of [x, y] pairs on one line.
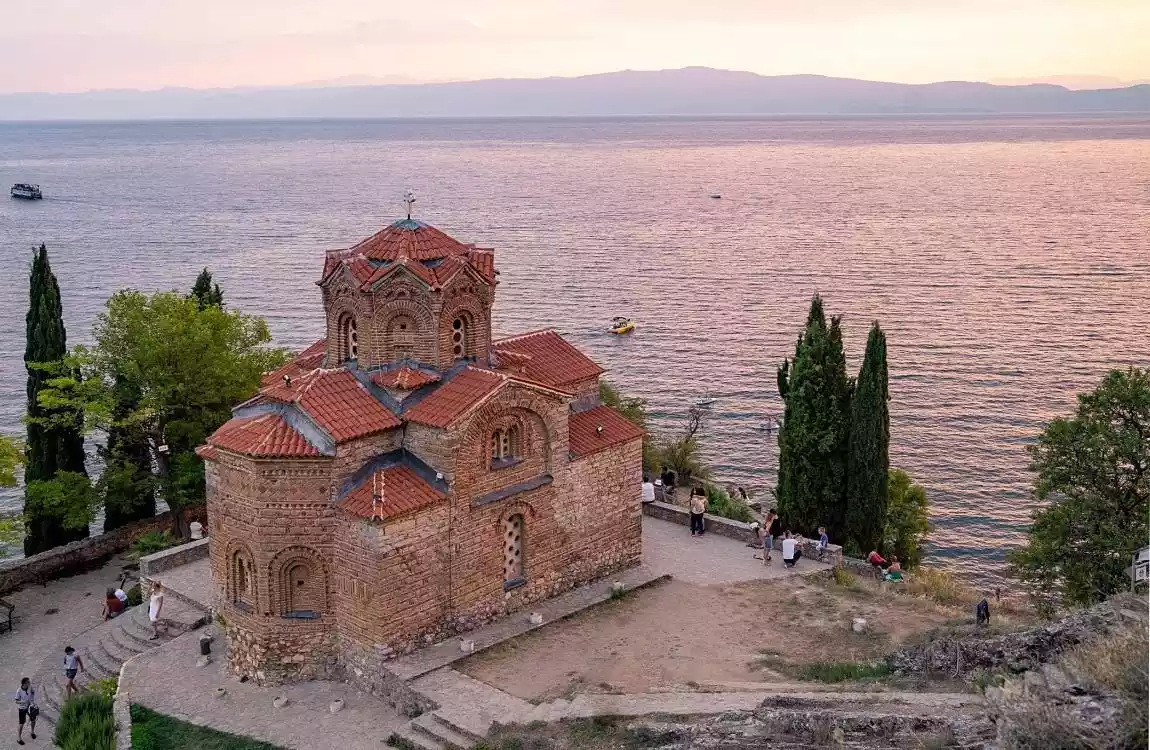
[[26, 191], [620, 325], [706, 400], [717, 196]]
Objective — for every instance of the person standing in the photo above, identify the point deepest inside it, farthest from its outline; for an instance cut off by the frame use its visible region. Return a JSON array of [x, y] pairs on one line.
[[155, 607], [698, 508], [761, 535], [26, 708], [769, 524], [72, 664]]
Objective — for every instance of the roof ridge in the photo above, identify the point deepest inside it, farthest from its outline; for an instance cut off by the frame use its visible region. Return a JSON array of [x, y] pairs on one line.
[[519, 336]]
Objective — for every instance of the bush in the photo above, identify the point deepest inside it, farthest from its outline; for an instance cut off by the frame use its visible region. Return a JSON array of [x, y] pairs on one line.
[[86, 723], [151, 543], [135, 596], [719, 503], [938, 585], [106, 687], [844, 578], [907, 519], [827, 671]]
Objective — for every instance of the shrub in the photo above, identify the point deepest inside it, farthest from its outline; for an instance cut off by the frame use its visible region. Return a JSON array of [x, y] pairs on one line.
[[135, 596], [938, 585], [844, 578], [719, 503], [907, 519], [152, 542], [827, 671], [106, 687], [86, 723]]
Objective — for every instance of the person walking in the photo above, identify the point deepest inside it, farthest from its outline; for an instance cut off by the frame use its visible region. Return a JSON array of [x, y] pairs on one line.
[[698, 508], [155, 607], [26, 708], [761, 536], [72, 664]]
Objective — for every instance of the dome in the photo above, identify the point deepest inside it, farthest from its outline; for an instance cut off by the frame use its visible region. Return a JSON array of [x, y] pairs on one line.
[[409, 238]]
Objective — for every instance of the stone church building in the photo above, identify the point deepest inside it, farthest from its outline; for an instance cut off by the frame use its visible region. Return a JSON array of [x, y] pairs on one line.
[[408, 477]]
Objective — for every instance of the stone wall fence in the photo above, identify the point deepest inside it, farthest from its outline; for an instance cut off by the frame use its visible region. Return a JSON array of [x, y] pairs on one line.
[[84, 554]]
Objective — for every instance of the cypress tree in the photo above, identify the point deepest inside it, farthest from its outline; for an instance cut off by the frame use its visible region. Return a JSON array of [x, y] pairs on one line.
[[869, 465], [207, 293], [51, 448], [813, 440]]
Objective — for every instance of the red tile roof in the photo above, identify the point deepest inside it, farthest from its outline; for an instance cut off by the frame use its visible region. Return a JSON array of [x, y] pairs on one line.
[[338, 403], [405, 379], [455, 397], [303, 363], [545, 357], [585, 437], [263, 435], [401, 490], [208, 453], [409, 239]]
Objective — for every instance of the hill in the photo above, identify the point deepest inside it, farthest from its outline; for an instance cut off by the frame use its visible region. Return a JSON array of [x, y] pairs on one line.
[[686, 91]]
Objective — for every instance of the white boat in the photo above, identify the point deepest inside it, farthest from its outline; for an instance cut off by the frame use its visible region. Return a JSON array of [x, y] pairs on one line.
[[716, 196], [706, 400], [26, 191], [770, 425]]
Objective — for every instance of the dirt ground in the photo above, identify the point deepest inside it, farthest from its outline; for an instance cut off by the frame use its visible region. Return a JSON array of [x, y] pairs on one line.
[[682, 634]]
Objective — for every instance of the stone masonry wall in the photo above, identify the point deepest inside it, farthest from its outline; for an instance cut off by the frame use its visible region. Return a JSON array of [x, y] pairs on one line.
[[83, 554]]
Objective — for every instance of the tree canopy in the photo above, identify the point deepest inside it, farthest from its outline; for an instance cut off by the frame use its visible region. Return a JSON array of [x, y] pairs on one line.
[[813, 440], [55, 440], [11, 456], [1093, 469], [167, 372], [906, 520], [868, 463], [205, 292]]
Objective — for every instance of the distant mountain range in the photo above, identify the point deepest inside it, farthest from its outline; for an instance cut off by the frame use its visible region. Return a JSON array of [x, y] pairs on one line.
[[686, 91]]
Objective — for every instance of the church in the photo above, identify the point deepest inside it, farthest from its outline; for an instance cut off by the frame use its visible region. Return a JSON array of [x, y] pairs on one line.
[[408, 477]]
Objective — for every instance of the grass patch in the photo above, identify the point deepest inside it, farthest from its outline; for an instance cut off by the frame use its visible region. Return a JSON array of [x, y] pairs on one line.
[[153, 731], [86, 723], [105, 687], [831, 671], [618, 595], [152, 542]]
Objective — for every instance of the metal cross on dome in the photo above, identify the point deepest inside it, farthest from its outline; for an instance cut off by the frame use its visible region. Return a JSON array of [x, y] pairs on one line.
[[408, 198]]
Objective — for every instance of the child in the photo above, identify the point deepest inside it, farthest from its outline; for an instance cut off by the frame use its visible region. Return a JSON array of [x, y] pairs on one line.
[[72, 663], [824, 542], [155, 606]]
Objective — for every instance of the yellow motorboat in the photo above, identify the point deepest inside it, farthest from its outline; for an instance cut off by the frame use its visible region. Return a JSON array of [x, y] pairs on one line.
[[619, 326]]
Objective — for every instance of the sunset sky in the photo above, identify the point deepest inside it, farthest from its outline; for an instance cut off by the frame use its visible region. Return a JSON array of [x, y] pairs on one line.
[[76, 45]]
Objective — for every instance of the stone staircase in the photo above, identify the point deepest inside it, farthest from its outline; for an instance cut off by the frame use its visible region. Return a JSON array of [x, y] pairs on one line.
[[106, 647]]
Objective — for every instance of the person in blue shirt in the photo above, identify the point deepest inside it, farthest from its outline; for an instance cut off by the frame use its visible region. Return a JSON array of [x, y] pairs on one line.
[[824, 541]]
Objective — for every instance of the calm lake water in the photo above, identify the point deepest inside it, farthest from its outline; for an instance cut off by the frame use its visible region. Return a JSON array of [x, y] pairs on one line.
[[1008, 259]]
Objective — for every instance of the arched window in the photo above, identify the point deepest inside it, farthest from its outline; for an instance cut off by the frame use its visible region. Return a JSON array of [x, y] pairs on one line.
[[243, 580], [349, 337], [513, 567], [460, 331], [506, 447]]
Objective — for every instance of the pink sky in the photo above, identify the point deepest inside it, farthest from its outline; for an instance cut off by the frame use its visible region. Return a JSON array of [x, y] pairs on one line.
[[76, 45]]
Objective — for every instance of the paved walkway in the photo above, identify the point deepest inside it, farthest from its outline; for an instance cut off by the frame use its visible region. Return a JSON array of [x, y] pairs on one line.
[[167, 680], [709, 559], [192, 581]]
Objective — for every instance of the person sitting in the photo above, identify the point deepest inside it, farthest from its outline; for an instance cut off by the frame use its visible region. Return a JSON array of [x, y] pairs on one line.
[[877, 563], [894, 570], [112, 604], [122, 596], [791, 551], [824, 542], [648, 490]]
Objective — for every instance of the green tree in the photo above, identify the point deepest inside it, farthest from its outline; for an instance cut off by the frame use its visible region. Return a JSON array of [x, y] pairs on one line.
[[1094, 470], [683, 454], [126, 484], [67, 498], [55, 438], [868, 465], [813, 440], [11, 456], [907, 519], [205, 292], [634, 410], [190, 366]]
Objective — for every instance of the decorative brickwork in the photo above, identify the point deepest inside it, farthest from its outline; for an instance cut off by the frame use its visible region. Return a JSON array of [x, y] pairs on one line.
[[400, 496]]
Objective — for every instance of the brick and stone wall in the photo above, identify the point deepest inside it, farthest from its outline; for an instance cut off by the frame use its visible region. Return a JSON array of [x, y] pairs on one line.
[[158, 562], [84, 554]]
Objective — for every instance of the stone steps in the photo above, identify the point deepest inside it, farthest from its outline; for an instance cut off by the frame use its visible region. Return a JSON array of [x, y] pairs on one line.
[[468, 706], [407, 738], [433, 728]]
